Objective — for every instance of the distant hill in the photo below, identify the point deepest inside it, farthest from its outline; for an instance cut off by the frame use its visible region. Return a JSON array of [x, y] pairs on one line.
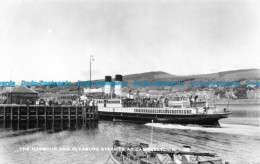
[[231, 75], [234, 75], [149, 76], [226, 75]]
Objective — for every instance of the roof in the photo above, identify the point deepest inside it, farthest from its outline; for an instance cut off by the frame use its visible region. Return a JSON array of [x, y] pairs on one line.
[[22, 89]]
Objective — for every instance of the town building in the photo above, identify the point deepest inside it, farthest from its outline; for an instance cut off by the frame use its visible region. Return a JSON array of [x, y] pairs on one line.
[[253, 94], [19, 95]]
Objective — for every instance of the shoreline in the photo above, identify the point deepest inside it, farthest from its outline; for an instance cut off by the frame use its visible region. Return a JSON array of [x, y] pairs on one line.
[[237, 102]]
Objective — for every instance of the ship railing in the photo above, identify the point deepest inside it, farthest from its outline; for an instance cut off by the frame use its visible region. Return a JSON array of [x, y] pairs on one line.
[[217, 110], [136, 105]]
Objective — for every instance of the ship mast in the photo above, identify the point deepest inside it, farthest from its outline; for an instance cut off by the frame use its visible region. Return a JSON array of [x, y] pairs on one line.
[[91, 58], [90, 68]]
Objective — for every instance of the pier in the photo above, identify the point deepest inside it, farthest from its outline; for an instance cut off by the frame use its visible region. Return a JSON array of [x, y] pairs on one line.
[[41, 113]]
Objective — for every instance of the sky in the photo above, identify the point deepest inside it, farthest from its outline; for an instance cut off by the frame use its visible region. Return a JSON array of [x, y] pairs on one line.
[[53, 39]]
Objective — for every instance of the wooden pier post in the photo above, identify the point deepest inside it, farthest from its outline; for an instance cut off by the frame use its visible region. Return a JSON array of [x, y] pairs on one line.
[[93, 113], [84, 114], [37, 115], [96, 113], [12, 113], [4, 113], [76, 114], [53, 113], [69, 114], [18, 114], [61, 114], [89, 113], [45, 114], [18, 123], [96, 109], [28, 113]]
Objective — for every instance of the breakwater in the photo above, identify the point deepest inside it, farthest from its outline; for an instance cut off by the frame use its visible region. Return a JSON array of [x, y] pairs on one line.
[[48, 113]]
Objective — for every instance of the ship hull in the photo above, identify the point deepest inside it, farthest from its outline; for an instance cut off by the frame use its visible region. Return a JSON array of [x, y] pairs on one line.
[[199, 119]]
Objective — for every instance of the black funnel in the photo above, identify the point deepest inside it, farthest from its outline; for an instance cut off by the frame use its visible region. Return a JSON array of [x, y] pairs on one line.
[[119, 78]]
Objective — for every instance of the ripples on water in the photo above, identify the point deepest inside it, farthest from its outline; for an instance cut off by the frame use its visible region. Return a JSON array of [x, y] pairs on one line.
[[237, 141]]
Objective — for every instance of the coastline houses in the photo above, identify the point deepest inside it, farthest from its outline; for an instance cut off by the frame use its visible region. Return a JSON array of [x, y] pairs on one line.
[[253, 94]]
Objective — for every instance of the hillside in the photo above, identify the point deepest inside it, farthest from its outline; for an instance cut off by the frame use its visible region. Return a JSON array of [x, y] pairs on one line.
[[227, 75], [233, 75], [149, 76]]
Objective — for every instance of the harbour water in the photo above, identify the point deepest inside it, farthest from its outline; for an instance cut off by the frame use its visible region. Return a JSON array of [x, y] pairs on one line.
[[237, 140]]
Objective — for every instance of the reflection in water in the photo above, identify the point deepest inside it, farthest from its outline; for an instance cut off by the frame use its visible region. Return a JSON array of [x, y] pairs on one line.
[[237, 141], [50, 127]]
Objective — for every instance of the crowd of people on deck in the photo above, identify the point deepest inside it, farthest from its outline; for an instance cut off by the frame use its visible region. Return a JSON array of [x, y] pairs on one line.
[[55, 102], [146, 102], [126, 102]]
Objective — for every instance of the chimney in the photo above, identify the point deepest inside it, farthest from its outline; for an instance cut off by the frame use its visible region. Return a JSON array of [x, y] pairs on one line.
[[108, 87], [118, 88]]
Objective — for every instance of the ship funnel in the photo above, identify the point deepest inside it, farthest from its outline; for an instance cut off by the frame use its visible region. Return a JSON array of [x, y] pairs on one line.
[[118, 88], [108, 87]]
